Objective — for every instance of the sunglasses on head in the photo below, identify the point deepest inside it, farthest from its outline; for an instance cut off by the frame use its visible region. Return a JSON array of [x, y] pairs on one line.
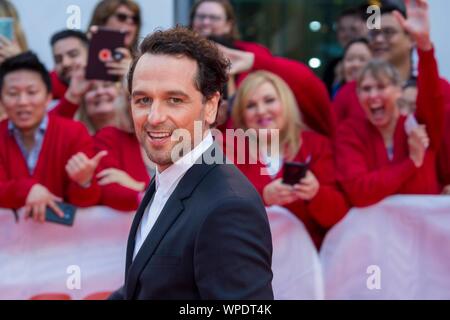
[[123, 17]]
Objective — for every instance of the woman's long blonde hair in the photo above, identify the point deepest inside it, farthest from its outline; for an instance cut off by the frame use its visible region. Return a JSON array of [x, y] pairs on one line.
[[7, 10], [290, 133]]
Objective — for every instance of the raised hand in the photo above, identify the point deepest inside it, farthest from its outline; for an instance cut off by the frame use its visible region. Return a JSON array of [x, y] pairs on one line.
[[418, 142], [8, 48], [81, 169], [241, 61], [78, 86], [418, 23], [121, 67]]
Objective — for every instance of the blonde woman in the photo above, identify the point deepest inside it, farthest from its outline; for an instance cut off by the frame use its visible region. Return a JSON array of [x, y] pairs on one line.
[[18, 45], [265, 103]]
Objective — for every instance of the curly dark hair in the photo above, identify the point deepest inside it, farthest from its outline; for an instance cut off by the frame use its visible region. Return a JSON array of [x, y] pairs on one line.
[[212, 74]]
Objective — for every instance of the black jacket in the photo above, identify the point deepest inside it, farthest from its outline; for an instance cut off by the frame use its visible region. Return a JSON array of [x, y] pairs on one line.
[[211, 241]]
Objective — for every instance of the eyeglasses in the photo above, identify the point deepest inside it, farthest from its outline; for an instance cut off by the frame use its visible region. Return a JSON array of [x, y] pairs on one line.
[[387, 33], [211, 17], [123, 17]]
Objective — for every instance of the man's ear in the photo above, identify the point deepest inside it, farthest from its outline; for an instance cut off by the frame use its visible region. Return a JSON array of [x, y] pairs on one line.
[[211, 109]]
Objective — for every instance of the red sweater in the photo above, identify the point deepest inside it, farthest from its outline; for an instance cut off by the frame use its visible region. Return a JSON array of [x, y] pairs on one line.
[[62, 140], [124, 153], [256, 49], [58, 88], [364, 169], [64, 108], [328, 206]]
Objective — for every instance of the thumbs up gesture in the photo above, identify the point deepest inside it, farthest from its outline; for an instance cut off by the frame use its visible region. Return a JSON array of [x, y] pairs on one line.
[[81, 169]]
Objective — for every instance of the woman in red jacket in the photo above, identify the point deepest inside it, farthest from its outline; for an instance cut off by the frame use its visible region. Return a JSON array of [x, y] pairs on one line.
[[385, 153], [265, 104]]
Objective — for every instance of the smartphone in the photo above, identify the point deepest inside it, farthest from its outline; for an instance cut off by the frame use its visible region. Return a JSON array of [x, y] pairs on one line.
[[7, 28], [69, 214], [102, 49], [293, 172]]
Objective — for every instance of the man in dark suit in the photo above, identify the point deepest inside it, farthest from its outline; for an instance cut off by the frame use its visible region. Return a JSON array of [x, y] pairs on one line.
[[201, 231]]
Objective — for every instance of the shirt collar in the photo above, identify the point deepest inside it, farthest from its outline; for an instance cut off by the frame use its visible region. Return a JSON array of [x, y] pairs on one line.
[[42, 126], [166, 179]]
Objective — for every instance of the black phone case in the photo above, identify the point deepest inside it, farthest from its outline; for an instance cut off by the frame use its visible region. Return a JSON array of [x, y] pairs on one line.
[[294, 172], [103, 40], [69, 214]]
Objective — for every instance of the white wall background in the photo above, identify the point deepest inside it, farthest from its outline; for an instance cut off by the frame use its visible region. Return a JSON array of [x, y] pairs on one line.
[[440, 32], [42, 18]]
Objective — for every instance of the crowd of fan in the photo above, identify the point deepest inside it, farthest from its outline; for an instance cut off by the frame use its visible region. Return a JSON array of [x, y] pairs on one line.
[[374, 127]]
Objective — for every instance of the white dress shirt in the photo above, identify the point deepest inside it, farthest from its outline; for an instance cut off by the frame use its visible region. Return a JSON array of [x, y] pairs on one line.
[[166, 182]]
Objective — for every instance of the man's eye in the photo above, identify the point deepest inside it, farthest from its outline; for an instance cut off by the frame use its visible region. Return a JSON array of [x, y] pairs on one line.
[[143, 101], [175, 100]]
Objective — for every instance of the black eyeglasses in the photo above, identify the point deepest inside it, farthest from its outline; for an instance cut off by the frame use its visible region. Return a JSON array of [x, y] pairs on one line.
[[123, 17], [387, 33], [213, 18]]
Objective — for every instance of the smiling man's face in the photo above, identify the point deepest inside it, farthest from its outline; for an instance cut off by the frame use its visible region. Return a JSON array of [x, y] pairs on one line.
[[165, 98]]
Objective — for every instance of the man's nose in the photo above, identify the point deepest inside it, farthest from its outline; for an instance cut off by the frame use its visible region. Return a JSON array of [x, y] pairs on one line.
[[23, 99], [156, 114]]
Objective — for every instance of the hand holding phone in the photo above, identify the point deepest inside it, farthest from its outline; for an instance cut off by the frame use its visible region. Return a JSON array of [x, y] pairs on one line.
[[294, 172], [7, 28], [69, 214], [104, 48]]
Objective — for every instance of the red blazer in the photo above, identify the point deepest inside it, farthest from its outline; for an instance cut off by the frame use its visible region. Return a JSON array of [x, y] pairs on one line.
[[364, 170], [329, 205], [62, 140], [124, 153]]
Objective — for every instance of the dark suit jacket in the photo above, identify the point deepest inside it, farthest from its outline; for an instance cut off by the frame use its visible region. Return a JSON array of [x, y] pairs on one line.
[[211, 241]]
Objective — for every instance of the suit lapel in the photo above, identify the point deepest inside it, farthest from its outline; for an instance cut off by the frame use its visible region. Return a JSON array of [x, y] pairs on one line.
[[135, 225], [168, 216], [170, 213]]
